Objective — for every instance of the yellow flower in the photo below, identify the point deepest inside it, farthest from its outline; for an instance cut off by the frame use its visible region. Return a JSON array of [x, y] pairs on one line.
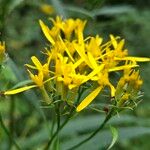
[[128, 87], [41, 68], [46, 32], [79, 30], [80, 49], [76, 80], [37, 79], [2, 52], [93, 46], [134, 59], [74, 60], [58, 22], [68, 27], [19, 90], [103, 80], [89, 99], [64, 70], [2, 47], [47, 9]]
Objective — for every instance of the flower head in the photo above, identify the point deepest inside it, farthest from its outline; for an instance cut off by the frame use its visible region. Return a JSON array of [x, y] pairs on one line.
[[128, 88], [2, 52], [74, 61], [47, 9]]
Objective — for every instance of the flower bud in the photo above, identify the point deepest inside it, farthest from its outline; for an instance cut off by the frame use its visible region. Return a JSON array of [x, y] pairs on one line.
[[2, 52]]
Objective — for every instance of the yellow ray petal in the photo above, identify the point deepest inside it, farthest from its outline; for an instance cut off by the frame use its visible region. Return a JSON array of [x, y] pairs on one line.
[[19, 90], [49, 79], [92, 60], [66, 49], [140, 59], [77, 63], [89, 99], [113, 90], [114, 41], [36, 62], [71, 86], [94, 72], [120, 45], [45, 30], [122, 67], [81, 51], [30, 66]]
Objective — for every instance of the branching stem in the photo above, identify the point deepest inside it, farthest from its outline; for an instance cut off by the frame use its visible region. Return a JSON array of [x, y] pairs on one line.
[[109, 115]]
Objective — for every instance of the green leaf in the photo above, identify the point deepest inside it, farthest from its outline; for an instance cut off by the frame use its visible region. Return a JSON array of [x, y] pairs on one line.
[[22, 83], [78, 10], [114, 135], [103, 138], [113, 10], [30, 96]]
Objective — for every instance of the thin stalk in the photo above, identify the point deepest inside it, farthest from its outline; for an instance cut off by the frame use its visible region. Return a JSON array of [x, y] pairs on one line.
[[57, 112], [58, 115], [57, 131], [11, 122], [63, 124], [53, 125], [95, 132], [8, 134]]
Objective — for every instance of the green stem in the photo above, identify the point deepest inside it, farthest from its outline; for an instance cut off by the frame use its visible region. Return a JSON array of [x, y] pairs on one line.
[[64, 123], [95, 132], [57, 131], [58, 115], [53, 124], [11, 122], [57, 112], [45, 95], [8, 134]]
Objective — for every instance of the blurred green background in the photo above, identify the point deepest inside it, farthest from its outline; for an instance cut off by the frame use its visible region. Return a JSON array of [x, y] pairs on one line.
[[27, 121]]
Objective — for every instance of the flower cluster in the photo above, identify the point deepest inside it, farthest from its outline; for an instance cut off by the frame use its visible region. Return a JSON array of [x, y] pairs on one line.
[[72, 61]]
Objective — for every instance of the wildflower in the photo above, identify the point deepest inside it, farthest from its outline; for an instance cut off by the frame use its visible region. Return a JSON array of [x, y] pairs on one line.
[[79, 30], [47, 9], [58, 22], [89, 99], [46, 32], [68, 28], [66, 73], [73, 60], [2, 52], [2, 47], [19, 90], [128, 88], [134, 59], [41, 68], [37, 79], [103, 81], [93, 46]]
